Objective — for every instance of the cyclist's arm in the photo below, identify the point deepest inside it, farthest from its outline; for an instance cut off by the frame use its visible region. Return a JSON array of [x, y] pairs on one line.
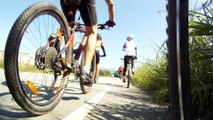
[[124, 46], [110, 9], [136, 52], [103, 49]]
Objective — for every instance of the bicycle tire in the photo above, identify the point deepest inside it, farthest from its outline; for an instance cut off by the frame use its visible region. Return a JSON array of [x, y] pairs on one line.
[[128, 78], [86, 88], [11, 59], [95, 80], [179, 78], [129, 75]]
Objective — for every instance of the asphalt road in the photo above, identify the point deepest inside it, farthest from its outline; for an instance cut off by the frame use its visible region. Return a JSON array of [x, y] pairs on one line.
[[108, 100]]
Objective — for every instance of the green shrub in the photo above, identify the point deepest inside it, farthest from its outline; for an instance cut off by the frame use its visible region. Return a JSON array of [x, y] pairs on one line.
[[1, 64], [153, 78], [28, 68], [104, 73]]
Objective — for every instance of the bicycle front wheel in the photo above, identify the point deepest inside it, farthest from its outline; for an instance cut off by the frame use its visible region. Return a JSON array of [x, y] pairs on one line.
[[25, 61], [86, 88]]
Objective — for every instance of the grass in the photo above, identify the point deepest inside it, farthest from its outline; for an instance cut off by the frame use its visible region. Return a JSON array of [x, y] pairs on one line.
[[153, 78], [23, 67], [29, 68], [1, 64]]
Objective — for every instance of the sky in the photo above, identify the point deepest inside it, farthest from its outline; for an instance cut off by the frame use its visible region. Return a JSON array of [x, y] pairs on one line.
[[145, 19]]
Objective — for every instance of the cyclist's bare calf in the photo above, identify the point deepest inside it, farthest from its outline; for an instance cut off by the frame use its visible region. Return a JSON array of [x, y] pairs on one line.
[[90, 47]]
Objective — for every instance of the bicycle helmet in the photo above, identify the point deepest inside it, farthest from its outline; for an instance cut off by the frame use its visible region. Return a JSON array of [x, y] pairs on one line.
[[130, 37], [52, 36]]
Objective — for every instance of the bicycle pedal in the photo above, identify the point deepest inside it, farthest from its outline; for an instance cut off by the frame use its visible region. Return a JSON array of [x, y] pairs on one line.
[[57, 73], [68, 66]]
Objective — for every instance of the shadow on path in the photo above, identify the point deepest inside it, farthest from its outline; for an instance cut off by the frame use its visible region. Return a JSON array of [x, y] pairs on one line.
[[9, 109], [127, 104]]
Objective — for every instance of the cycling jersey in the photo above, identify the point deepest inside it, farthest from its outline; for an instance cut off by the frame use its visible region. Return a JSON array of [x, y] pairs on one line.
[[130, 48], [99, 44], [121, 68], [87, 9]]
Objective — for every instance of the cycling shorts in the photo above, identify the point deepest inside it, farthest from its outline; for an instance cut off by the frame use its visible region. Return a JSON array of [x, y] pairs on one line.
[[97, 56], [87, 10]]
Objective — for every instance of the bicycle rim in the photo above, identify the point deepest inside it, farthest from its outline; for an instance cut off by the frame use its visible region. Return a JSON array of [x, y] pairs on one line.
[[25, 55]]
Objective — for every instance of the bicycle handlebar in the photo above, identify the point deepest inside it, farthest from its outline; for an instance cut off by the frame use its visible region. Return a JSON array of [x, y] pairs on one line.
[[103, 26], [135, 58], [100, 26], [79, 27], [102, 55]]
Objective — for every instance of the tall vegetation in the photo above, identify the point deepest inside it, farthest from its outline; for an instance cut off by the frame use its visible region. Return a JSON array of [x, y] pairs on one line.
[[152, 76], [201, 60], [1, 64], [104, 73]]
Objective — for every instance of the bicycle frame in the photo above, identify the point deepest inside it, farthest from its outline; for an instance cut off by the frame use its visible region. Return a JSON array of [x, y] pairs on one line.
[[70, 43], [69, 53], [129, 66], [129, 70], [54, 58]]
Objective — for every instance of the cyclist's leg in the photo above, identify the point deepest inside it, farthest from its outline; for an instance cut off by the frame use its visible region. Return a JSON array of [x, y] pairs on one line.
[[88, 13], [132, 66], [89, 16], [97, 63], [68, 10], [125, 67], [90, 46], [80, 48]]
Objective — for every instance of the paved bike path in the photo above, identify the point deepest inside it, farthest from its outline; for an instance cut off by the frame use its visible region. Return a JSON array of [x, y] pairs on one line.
[[121, 103], [115, 102]]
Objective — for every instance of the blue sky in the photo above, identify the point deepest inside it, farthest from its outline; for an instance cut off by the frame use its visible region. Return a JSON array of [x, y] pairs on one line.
[[145, 19]]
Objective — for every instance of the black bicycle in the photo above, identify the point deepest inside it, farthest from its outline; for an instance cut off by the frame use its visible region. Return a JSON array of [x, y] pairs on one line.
[[39, 58], [129, 71]]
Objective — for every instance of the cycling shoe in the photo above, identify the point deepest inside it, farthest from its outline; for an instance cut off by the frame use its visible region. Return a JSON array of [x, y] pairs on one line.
[[87, 78]]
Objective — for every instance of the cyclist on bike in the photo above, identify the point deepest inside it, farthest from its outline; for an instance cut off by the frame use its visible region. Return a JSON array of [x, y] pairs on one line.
[[120, 71], [99, 44], [88, 13], [130, 49]]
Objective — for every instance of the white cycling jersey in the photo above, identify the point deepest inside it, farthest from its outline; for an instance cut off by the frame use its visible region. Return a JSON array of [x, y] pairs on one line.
[[130, 48]]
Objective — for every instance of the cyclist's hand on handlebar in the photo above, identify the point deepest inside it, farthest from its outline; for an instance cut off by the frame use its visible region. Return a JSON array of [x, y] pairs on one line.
[[110, 23], [103, 55]]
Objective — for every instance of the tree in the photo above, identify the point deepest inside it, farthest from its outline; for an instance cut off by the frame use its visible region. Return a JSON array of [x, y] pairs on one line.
[[105, 73]]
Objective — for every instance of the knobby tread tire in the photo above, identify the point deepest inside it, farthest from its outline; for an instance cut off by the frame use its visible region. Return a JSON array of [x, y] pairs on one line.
[[11, 55], [128, 78]]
